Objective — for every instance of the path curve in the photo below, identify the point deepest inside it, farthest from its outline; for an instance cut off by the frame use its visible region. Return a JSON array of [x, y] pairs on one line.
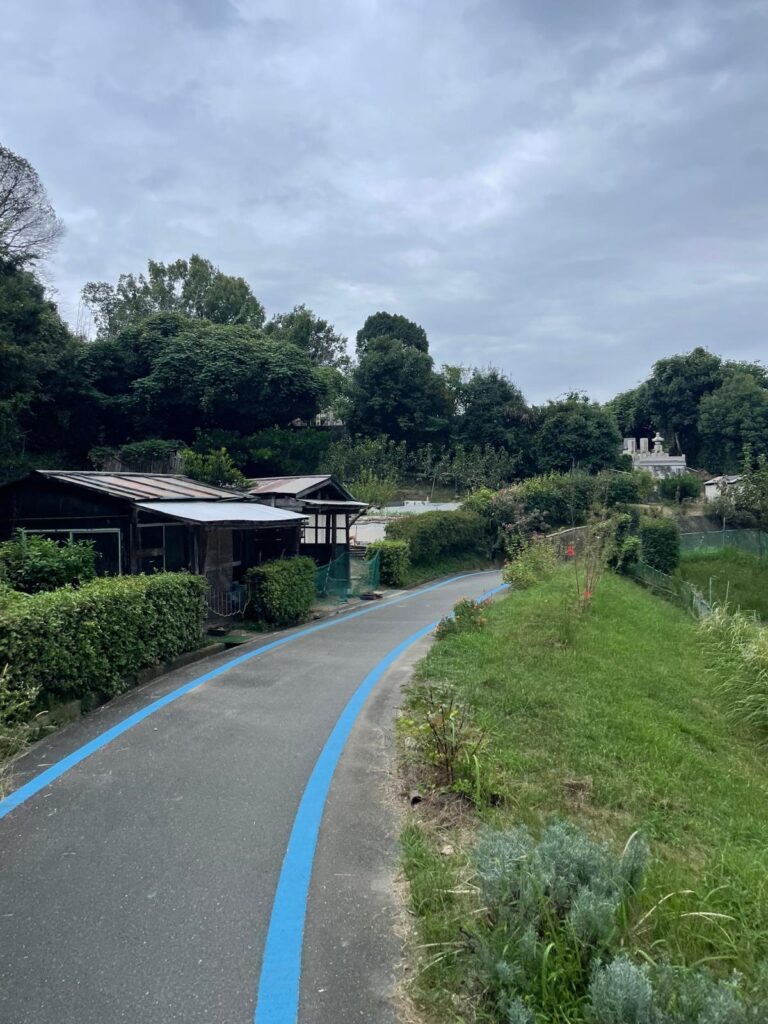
[[139, 884]]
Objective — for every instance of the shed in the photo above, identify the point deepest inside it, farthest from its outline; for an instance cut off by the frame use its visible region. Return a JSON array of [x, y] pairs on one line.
[[329, 507], [146, 522]]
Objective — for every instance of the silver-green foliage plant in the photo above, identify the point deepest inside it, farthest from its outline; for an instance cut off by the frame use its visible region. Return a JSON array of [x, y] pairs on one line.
[[621, 993]]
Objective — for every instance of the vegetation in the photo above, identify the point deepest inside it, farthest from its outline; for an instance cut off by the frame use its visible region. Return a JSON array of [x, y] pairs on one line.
[[680, 488], [537, 920], [30, 564], [395, 560], [432, 535], [282, 592], [215, 468], [660, 543], [739, 645], [729, 577], [68, 643]]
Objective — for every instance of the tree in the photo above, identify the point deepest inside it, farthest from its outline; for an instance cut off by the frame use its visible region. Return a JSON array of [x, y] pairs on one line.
[[675, 389], [29, 227], [193, 288], [734, 415], [216, 468], [494, 414], [316, 337], [395, 391], [632, 412], [751, 492], [574, 432], [391, 325]]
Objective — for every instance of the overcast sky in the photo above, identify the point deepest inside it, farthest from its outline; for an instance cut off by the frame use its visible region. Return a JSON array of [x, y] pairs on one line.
[[567, 189]]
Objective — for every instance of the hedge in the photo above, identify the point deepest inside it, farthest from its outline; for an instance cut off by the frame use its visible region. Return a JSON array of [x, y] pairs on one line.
[[660, 543], [94, 640], [432, 535], [31, 563], [282, 592], [395, 560]]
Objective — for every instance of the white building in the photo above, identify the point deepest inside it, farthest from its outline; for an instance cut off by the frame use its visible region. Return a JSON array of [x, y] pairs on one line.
[[658, 462], [717, 485]]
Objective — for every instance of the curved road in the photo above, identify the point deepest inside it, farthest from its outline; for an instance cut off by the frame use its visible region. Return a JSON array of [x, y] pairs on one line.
[[153, 880]]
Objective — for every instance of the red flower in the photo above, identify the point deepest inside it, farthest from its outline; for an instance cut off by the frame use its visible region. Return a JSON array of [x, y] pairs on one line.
[[587, 594], [569, 551]]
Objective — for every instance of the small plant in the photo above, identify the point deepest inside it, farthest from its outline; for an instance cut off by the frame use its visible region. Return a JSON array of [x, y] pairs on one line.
[[443, 728], [15, 705], [468, 616]]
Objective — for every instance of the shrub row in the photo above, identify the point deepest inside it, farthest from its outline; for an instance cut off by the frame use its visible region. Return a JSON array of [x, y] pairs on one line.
[[68, 642], [433, 535], [394, 560], [31, 563], [660, 543], [282, 592]]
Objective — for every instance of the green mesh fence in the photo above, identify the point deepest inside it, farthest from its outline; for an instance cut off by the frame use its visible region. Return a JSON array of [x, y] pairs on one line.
[[672, 588], [348, 576], [753, 541]]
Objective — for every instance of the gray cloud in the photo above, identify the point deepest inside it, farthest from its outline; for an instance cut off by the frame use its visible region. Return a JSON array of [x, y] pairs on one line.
[[568, 191]]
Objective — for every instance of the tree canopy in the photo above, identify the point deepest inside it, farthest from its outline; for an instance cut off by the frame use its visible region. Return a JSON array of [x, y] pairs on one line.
[[29, 227], [391, 325], [576, 433]]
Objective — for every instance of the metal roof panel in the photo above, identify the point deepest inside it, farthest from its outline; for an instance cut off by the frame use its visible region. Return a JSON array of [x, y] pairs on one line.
[[222, 513], [138, 486]]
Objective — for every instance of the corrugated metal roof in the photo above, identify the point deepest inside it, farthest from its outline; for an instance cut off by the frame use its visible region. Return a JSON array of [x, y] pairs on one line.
[[332, 503], [222, 512], [138, 486], [288, 485]]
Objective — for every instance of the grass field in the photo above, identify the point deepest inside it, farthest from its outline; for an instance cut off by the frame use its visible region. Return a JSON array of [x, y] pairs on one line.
[[612, 720], [728, 574]]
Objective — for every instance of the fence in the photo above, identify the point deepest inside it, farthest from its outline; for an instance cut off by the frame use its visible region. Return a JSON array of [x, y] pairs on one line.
[[349, 575], [672, 588], [753, 541], [225, 604]]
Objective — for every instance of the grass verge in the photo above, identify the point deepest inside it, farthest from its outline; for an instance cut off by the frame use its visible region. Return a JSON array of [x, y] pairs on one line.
[[447, 566], [611, 720], [728, 575]]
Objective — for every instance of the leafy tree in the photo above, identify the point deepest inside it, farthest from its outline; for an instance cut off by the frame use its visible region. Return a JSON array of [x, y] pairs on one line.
[[319, 339], [681, 487], [29, 227], [274, 451], [395, 391], [734, 415], [351, 458], [375, 490], [194, 288], [751, 492], [391, 325], [675, 390], [216, 468], [495, 414], [632, 412], [574, 432]]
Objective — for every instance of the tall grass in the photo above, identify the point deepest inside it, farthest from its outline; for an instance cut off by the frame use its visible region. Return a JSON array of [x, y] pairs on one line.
[[728, 576]]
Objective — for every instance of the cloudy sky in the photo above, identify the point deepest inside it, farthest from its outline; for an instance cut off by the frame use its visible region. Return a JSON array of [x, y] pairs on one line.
[[567, 189]]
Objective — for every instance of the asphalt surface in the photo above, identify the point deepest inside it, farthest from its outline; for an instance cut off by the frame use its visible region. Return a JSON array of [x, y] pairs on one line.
[[138, 886]]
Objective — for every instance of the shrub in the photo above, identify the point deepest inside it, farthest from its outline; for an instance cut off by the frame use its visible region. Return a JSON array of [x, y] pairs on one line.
[[215, 468], [623, 488], [533, 564], [467, 617], [71, 642], [678, 488], [660, 543], [433, 535], [31, 563], [395, 560], [622, 549], [282, 592]]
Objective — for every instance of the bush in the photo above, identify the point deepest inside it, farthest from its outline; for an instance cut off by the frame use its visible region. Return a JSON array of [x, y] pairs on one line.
[[678, 488], [71, 642], [660, 543], [432, 535], [282, 592], [533, 564], [395, 560], [623, 488], [31, 563], [468, 616]]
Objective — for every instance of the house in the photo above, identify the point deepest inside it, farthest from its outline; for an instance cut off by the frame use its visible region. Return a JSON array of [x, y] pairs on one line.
[[328, 505], [660, 464], [714, 487], [146, 522]]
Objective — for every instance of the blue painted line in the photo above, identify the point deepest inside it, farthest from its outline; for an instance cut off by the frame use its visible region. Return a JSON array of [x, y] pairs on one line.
[[277, 1000], [29, 789]]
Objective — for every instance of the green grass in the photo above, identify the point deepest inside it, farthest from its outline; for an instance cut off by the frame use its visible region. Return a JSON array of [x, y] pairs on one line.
[[624, 698], [447, 566], [728, 574]]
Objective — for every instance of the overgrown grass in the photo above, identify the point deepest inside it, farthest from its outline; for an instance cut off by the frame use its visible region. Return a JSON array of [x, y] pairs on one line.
[[447, 566], [729, 575], [613, 720]]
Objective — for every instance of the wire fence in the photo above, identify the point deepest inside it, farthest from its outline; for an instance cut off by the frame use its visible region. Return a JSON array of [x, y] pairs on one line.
[[674, 589], [753, 541]]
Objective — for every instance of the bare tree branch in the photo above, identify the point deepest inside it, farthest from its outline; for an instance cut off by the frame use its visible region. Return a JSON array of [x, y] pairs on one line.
[[29, 227]]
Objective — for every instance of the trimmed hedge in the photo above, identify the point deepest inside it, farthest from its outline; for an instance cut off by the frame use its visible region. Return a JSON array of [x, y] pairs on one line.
[[395, 560], [71, 642], [431, 535], [660, 543], [282, 592]]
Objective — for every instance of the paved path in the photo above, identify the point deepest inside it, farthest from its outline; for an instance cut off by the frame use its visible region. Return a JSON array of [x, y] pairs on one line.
[[139, 885]]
